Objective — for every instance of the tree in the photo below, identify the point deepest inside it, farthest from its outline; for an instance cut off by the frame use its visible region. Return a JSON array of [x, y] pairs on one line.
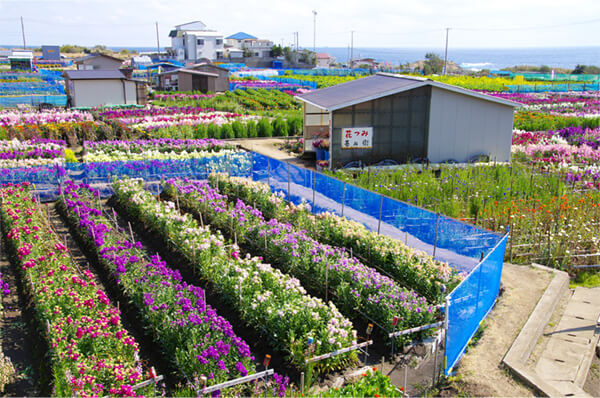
[[276, 51], [288, 54], [434, 64], [586, 69]]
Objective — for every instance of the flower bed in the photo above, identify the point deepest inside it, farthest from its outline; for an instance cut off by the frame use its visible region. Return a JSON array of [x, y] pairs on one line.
[[354, 286], [373, 383], [160, 148], [36, 152], [270, 302], [15, 117], [90, 352], [412, 268], [192, 336]]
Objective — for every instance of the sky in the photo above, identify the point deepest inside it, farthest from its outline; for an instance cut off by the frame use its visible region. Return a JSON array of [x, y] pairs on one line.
[[376, 23]]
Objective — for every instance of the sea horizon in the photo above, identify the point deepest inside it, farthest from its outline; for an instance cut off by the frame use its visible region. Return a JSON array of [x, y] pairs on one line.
[[467, 58]]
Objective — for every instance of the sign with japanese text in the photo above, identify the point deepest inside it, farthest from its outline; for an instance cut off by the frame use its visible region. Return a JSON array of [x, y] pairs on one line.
[[357, 137]]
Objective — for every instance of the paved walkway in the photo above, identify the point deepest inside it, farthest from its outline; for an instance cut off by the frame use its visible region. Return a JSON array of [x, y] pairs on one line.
[[570, 349]]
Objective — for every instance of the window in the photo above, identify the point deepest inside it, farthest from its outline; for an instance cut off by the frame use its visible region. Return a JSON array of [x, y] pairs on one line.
[[219, 42], [200, 42]]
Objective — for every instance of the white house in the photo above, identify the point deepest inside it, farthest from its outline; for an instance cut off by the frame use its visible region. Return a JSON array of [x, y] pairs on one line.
[[254, 47], [324, 60], [193, 41]]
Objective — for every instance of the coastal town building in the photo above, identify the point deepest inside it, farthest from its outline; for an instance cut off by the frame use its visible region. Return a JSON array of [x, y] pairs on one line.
[[192, 42], [98, 61], [21, 60], [89, 88], [251, 46], [406, 118], [324, 60], [201, 77], [51, 53]]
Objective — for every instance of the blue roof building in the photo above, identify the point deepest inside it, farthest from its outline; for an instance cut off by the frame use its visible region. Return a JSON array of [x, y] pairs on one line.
[[241, 36]]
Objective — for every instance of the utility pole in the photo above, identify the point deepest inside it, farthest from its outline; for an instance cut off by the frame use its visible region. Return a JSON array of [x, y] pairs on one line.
[[23, 32], [446, 51], [157, 42], [314, 31], [351, 49]]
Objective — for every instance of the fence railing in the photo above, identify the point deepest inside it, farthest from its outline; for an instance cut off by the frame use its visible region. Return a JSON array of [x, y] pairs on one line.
[[476, 252]]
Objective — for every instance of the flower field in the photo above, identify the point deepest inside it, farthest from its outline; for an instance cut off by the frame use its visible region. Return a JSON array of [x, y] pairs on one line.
[[263, 295], [353, 285], [89, 351]]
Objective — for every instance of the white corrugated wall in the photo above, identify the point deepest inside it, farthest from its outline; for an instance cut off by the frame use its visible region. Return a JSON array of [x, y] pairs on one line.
[[462, 126]]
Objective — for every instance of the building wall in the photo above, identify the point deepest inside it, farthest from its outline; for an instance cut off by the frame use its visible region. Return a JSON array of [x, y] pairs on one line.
[[99, 63], [102, 92], [184, 82], [219, 84], [316, 124], [209, 50], [400, 125], [462, 126]]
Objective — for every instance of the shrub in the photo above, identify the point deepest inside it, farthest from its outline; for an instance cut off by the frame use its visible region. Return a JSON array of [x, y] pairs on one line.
[[265, 129], [214, 131], [280, 127], [252, 129], [227, 131], [239, 129], [200, 131]]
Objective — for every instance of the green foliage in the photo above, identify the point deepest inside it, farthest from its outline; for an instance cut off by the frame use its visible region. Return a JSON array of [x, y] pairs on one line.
[[371, 384], [239, 130], [201, 131], [434, 64], [227, 131], [265, 129], [280, 127], [586, 70], [276, 51], [214, 131], [70, 156], [537, 121], [252, 128], [587, 279], [294, 125]]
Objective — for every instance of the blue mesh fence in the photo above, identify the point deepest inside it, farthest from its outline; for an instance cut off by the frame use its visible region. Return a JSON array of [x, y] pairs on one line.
[[460, 244], [470, 303]]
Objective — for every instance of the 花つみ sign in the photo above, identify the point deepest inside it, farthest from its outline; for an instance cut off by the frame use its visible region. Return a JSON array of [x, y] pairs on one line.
[[357, 137]]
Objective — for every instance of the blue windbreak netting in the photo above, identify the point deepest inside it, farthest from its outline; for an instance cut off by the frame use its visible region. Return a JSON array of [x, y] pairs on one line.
[[470, 303], [459, 244]]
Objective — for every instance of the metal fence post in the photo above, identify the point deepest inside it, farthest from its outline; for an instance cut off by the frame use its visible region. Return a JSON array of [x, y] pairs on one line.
[[289, 194], [446, 327], [437, 220], [314, 183], [380, 208], [252, 165], [268, 173], [343, 197]]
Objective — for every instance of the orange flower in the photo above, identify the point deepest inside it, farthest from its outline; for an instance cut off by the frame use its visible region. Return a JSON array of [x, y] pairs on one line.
[[374, 369]]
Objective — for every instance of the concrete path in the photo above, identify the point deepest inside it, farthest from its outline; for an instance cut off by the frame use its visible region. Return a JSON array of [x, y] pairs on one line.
[[563, 365], [566, 360]]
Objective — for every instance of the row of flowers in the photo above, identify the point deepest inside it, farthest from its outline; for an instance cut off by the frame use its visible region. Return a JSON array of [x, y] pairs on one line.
[[91, 354], [117, 155], [127, 113], [163, 121], [191, 334], [354, 286], [182, 96], [412, 268], [36, 152], [270, 302], [567, 104], [18, 117]]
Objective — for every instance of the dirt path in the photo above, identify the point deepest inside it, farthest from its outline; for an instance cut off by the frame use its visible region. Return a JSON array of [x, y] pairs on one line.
[[270, 147], [16, 340], [480, 372]]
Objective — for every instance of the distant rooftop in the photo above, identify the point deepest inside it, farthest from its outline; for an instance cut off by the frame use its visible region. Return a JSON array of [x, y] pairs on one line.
[[102, 74], [241, 36]]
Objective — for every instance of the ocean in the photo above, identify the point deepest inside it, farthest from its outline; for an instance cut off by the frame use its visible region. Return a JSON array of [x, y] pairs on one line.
[[479, 58]]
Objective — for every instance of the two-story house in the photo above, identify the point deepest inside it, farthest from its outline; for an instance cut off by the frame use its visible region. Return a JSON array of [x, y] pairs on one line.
[[193, 41], [252, 46]]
